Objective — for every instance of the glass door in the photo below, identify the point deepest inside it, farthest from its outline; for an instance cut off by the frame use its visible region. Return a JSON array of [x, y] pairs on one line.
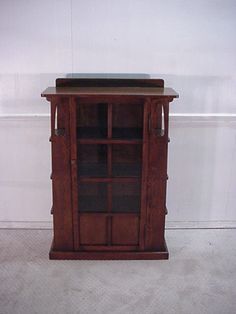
[[109, 156]]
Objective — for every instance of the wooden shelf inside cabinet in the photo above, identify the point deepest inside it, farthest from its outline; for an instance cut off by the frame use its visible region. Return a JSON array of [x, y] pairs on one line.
[[109, 141]]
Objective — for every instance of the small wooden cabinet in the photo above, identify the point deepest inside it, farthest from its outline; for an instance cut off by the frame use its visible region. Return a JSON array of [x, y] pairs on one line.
[[109, 142]]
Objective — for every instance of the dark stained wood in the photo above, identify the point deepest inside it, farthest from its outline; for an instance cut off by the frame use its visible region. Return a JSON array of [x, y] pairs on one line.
[[74, 172], [109, 165], [125, 230], [109, 248], [93, 229], [157, 174], [109, 180], [110, 99], [108, 255], [61, 113], [61, 179], [146, 117], [114, 91], [108, 82], [109, 142], [111, 255]]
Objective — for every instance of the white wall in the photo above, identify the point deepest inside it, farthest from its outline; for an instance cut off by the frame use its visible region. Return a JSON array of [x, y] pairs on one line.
[[191, 44]]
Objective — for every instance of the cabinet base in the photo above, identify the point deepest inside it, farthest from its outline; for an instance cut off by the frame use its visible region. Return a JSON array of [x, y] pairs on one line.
[[108, 255]]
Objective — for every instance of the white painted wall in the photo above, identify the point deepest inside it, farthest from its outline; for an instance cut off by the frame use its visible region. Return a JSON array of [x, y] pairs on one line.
[[191, 44]]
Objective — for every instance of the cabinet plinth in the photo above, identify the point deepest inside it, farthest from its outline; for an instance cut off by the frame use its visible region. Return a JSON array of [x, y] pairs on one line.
[[109, 141]]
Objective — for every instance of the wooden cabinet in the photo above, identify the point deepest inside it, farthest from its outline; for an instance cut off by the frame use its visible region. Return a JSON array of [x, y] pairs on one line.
[[109, 142]]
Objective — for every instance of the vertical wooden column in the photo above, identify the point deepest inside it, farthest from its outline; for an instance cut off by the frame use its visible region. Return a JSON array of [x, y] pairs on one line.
[[61, 175], [157, 175], [143, 213], [74, 170], [109, 184]]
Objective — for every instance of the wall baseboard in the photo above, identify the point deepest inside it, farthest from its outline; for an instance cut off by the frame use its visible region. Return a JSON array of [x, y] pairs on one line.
[[25, 224], [169, 225], [224, 224]]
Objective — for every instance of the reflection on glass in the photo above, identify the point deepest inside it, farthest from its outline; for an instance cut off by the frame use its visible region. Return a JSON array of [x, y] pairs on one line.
[[93, 197], [92, 120], [127, 121], [92, 160], [126, 197], [126, 160]]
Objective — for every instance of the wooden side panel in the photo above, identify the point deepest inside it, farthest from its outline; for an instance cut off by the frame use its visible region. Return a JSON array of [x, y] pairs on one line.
[[157, 176], [61, 176], [125, 229]]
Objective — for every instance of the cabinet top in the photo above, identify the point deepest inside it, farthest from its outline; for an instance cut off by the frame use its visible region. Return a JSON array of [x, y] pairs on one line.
[[110, 87], [128, 91]]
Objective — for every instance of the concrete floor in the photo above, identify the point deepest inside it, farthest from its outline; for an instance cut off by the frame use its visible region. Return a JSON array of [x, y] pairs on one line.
[[200, 277]]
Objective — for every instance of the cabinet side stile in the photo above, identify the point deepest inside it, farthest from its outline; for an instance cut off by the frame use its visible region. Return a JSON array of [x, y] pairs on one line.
[[143, 214], [74, 169]]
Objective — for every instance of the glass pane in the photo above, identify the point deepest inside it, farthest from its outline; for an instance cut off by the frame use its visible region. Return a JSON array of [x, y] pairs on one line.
[[127, 121], [126, 160], [92, 120], [126, 197], [92, 160], [93, 197]]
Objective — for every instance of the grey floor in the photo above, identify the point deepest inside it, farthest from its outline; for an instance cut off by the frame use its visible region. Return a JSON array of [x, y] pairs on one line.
[[200, 277]]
